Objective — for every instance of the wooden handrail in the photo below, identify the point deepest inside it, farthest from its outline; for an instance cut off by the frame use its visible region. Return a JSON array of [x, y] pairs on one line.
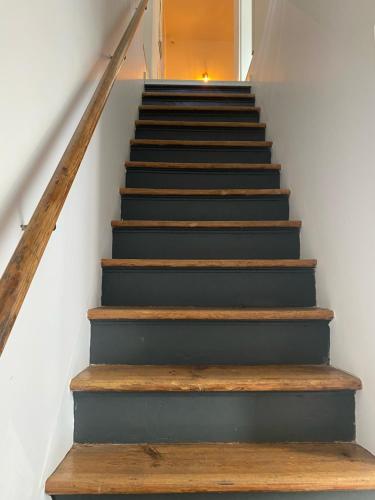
[[24, 262]]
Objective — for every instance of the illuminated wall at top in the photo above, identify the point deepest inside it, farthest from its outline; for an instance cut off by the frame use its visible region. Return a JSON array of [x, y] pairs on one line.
[[199, 37]]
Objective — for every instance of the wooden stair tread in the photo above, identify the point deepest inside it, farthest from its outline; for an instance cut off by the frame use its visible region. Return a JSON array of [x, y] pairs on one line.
[[197, 84], [205, 224], [189, 124], [204, 166], [220, 378], [194, 143], [219, 95], [211, 263], [204, 192], [186, 313], [213, 467], [220, 107]]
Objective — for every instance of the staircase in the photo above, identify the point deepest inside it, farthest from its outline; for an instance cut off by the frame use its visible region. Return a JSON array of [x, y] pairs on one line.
[[209, 360]]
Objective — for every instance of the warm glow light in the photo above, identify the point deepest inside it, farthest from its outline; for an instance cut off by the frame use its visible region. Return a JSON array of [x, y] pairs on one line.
[[205, 77]]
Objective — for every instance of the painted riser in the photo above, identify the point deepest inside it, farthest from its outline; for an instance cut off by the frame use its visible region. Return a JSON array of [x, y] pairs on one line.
[[212, 417], [212, 287], [201, 179], [183, 342], [202, 154], [197, 88], [354, 495], [199, 100], [205, 208], [205, 244], [201, 133], [196, 116]]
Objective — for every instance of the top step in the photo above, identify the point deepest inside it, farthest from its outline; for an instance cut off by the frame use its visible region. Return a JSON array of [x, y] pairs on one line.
[[199, 98], [207, 94], [198, 88]]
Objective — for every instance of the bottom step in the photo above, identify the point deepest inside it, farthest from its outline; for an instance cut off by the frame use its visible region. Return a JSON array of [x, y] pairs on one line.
[[217, 467]]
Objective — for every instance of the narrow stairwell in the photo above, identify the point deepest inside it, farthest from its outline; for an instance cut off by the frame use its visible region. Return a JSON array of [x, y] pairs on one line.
[[209, 366]]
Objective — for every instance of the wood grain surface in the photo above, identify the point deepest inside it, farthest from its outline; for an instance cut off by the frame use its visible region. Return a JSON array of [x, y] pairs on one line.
[[213, 467]]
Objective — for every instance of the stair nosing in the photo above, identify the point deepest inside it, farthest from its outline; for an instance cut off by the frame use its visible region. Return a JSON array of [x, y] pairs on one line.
[[203, 166], [107, 313], [208, 95], [198, 83], [147, 468], [231, 224], [193, 143], [211, 263], [203, 192], [192, 124], [165, 107], [213, 378]]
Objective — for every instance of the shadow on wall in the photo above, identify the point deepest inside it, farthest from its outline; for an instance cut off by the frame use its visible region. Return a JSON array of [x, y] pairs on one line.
[[14, 208], [116, 128], [314, 76], [14, 205]]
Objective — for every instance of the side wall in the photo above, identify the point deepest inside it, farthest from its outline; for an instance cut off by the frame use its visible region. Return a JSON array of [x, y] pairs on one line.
[[153, 34], [314, 75], [245, 8], [260, 9], [52, 54]]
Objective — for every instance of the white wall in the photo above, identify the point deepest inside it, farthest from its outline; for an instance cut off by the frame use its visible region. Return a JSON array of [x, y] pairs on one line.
[[51, 54], [245, 8], [259, 18], [153, 34], [314, 76]]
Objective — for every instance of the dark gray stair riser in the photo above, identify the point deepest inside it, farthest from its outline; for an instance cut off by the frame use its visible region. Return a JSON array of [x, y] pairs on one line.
[[205, 207], [201, 179], [200, 115], [200, 89], [199, 100], [328, 495], [195, 154], [208, 287], [170, 417], [200, 133], [204, 342], [202, 243]]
